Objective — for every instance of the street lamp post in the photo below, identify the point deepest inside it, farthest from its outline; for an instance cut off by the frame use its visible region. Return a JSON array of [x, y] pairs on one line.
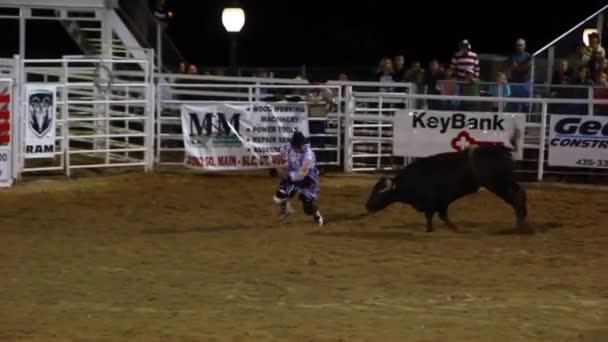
[[233, 19]]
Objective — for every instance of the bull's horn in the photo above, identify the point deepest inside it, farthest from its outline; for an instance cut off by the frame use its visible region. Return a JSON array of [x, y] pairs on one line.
[[388, 185]]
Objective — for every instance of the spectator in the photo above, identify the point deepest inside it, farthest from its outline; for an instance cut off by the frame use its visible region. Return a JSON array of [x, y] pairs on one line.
[[343, 77], [182, 67], [581, 91], [601, 93], [603, 81], [520, 72], [500, 89], [579, 58], [415, 73], [563, 72], [399, 65], [262, 73], [385, 73], [465, 60], [471, 88], [219, 71], [596, 65], [561, 78], [449, 87], [192, 69], [431, 78], [594, 45]]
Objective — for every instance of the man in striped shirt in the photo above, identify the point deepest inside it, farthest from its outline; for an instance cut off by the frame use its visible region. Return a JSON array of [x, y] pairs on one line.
[[465, 60]]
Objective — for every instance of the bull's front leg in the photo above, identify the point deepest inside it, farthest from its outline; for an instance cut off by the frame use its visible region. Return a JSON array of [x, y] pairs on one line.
[[429, 220]]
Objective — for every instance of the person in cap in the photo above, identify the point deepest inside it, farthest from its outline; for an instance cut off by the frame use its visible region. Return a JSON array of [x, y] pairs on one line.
[[520, 73], [298, 173], [465, 60]]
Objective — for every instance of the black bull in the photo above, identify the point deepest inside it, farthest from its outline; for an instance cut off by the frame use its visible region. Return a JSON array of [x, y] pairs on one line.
[[431, 184]]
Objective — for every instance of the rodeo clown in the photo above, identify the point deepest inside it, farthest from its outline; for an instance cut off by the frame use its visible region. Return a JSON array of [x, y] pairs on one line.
[[299, 172]]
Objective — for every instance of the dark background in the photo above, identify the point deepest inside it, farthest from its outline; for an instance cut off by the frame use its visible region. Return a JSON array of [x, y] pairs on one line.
[[337, 32], [312, 32]]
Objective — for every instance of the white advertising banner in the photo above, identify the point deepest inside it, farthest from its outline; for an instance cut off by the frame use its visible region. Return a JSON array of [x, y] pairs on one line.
[[5, 167], [425, 133], [40, 121], [239, 137], [578, 141]]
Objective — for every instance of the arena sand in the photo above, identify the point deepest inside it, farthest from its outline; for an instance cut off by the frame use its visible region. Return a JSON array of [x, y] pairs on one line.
[[186, 257]]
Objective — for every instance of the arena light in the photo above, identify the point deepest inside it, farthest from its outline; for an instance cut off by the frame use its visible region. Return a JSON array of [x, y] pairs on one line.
[[586, 34], [233, 19]]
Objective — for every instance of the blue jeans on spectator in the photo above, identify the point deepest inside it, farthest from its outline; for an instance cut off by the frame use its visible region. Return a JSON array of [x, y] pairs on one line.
[[520, 90]]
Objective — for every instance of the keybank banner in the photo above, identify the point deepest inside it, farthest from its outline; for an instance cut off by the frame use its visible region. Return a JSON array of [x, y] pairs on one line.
[[578, 141], [425, 133], [239, 137]]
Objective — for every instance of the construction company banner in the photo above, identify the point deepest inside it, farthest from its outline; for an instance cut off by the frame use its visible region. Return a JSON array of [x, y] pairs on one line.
[[578, 141], [40, 121], [239, 137], [425, 133]]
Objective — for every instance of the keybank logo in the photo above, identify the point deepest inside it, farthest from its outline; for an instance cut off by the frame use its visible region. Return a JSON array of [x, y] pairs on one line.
[[217, 128]]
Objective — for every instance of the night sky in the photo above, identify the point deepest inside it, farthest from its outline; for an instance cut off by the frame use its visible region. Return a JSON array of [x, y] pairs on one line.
[[341, 33], [325, 33]]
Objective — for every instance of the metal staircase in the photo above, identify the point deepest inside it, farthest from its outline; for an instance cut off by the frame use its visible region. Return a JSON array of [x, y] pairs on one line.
[[109, 28]]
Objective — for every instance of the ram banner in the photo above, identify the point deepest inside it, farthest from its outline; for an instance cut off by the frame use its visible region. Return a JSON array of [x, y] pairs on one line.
[[425, 133], [239, 137], [41, 118], [578, 141]]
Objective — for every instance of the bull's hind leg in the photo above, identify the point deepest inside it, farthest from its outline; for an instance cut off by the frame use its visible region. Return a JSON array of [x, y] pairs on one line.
[[515, 195], [443, 215], [429, 220]]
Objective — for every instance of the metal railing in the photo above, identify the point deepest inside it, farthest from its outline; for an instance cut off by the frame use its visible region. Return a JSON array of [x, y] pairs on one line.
[[535, 134], [101, 121], [326, 135]]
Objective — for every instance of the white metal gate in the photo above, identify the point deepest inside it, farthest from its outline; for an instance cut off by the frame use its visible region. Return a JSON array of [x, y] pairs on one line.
[[369, 123], [179, 90], [104, 113]]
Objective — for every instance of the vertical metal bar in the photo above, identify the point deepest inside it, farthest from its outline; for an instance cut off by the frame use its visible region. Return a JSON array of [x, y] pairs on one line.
[[150, 113], [15, 114], [159, 118], [541, 147], [23, 12], [379, 157], [106, 33], [339, 127], [127, 122], [348, 130], [550, 63], [66, 124], [107, 132], [22, 110]]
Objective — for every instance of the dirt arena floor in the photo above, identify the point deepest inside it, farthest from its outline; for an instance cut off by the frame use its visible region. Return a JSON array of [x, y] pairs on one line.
[[185, 257]]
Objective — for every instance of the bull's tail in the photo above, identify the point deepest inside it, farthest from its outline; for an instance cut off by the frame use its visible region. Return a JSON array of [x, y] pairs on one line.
[[514, 140]]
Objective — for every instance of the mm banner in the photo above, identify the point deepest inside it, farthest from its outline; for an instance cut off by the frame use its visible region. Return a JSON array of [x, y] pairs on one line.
[[239, 137], [424, 133], [40, 121], [578, 141]]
